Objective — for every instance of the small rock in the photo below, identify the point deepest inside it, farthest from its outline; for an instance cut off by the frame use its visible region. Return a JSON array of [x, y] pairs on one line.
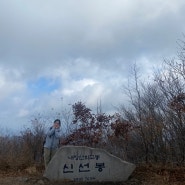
[[31, 170], [41, 182]]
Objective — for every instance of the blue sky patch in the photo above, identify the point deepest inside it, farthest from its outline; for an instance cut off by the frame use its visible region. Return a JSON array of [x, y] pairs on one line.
[[43, 86]]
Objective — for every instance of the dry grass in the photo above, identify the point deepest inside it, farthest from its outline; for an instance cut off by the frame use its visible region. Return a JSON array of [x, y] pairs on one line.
[[143, 175], [160, 175]]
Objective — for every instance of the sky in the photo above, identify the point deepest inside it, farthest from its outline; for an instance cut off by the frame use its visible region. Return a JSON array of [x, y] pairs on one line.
[[56, 53]]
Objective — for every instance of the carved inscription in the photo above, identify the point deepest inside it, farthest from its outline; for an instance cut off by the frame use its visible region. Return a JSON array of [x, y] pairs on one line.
[[84, 157], [86, 165]]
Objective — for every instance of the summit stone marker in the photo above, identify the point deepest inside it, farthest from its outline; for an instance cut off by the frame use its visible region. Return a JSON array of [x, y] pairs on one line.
[[80, 163]]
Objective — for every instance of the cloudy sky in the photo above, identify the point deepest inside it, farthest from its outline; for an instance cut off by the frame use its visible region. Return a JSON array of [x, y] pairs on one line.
[[55, 53]]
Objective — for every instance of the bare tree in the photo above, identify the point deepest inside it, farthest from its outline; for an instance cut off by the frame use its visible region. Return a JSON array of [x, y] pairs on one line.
[[171, 84], [146, 116]]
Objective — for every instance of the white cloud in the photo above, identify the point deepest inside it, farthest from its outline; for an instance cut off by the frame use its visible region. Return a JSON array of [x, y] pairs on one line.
[[94, 94], [10, 83], [23, 113], [78, 86]]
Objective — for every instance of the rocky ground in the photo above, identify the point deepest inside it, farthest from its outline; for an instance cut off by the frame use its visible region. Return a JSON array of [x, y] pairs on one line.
[[143, 175]]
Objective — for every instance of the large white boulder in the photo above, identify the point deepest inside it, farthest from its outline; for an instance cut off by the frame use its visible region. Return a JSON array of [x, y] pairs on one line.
[[80, 163]]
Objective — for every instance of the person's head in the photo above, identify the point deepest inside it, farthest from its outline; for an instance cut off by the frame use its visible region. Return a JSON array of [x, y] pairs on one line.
[[57, 123]]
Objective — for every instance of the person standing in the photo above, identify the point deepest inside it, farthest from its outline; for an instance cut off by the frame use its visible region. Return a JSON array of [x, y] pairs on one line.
[[52, 141]]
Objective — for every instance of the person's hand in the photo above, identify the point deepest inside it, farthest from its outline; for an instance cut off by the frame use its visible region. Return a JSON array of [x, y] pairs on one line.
[[56, 125]]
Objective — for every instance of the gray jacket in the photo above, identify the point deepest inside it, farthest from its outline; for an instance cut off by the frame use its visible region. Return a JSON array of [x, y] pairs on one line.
[[52, 138]]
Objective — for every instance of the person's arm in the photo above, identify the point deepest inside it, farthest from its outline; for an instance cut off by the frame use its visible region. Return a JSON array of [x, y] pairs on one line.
[[58, 133], [51, 131]]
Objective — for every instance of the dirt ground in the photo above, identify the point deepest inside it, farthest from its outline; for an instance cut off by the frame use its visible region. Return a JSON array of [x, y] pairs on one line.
[[143, 175]]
